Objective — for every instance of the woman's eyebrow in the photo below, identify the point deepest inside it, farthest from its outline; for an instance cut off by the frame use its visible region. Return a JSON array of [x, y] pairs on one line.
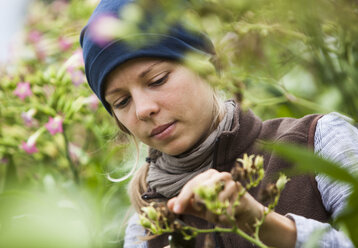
[[142, 74], [116, 90]]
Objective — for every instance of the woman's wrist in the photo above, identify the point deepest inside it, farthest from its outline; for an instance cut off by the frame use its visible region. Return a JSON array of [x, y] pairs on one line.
[[278, 231], [249, 212]]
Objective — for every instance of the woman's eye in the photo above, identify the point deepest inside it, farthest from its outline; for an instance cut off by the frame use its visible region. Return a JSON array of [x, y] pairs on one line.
[[160, 81], [122, 103]]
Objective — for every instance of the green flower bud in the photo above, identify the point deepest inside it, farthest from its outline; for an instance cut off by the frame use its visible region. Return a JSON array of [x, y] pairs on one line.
[[219, 186], [154, 229], [259, 161], [246, 162], [199, 63], [151, 212], [281, 182], [206, 193], [261, 173], [144, 222], [132, 13], [200, 191]]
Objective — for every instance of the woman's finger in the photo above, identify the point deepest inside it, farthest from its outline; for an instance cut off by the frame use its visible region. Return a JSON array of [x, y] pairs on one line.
[[171, 203], [230, 191], [208, 178], [182, 200]]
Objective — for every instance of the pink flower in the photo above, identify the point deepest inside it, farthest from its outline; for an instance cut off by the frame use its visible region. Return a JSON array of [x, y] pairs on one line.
[[40, 52], [77, 76], [23, 90], [64, 43], [4, 160], [77, 154], [28, 118], [92, 101], [54, 125], [74, 151], [34, 36], [103, 29], [28, 147], [76, 60], [59, 6]]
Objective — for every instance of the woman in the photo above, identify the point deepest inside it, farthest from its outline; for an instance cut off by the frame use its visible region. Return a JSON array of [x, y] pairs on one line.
[[195, 138]]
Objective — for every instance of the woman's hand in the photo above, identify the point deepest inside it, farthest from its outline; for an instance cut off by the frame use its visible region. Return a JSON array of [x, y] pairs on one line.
[[277, 230], [187, 202]]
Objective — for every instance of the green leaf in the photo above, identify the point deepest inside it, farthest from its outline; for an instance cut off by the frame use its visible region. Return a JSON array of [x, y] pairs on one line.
[[307, 161]]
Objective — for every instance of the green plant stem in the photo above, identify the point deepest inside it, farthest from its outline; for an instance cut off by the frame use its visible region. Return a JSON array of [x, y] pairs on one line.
[[260, 222], [255, 240], [303, 102], [266, 212], [229, 230], [68, 157]]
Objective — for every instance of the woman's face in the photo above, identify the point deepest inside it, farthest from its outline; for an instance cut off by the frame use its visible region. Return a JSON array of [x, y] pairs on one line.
[[164, 104]]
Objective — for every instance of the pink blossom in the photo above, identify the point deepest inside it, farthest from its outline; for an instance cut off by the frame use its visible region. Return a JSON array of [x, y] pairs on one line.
[[103, 29], [54, 125], [77, 76], [29, 147], [92, 101], [34, 36], [40, 52], [64, 43], [77, 154], [76, 60], [23, 90], [4, 160], [28, 118], [59, 6], [74, 151]]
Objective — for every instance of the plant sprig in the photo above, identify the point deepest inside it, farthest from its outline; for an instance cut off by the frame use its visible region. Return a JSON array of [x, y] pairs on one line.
[[249, 172]]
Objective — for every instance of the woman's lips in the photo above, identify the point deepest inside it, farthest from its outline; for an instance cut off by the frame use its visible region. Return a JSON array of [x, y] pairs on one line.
[[163, 131]]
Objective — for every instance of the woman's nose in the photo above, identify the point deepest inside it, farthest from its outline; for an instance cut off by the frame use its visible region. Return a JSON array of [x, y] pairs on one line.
[[146, 107]]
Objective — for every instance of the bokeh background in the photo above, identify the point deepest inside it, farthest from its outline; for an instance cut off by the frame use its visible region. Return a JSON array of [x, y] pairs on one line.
[[57, 143]]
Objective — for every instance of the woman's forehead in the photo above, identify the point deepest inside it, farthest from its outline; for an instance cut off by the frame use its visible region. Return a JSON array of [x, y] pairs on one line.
[[138, 68]]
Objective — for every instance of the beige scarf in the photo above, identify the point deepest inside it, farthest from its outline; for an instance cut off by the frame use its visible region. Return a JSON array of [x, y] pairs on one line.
[[168, 174]]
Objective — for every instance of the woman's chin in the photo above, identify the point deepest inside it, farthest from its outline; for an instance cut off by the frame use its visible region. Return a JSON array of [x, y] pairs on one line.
[[173, 152], [175, 148]]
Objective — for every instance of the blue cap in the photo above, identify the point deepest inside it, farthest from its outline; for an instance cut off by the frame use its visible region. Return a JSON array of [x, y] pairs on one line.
[[101, 59]]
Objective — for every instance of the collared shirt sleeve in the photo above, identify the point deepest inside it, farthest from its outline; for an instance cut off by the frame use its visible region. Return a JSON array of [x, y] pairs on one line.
[[335, 139], [133, 233]]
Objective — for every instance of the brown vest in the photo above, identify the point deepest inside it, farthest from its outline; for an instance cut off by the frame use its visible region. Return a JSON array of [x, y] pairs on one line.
[[300, 195]]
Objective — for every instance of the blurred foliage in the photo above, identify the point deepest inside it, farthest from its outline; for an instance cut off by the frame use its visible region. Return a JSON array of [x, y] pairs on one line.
[[279, 58], [58, 196], [286, 58]]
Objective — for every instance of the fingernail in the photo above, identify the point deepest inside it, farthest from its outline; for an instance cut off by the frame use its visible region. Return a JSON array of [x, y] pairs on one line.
[[176, 208]]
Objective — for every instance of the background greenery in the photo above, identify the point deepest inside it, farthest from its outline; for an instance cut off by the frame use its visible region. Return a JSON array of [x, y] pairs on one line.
[[279, 58]]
